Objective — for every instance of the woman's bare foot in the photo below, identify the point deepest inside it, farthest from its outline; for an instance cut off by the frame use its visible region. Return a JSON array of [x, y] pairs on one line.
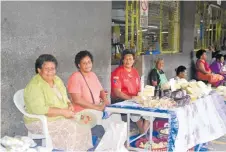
[[146, 125]]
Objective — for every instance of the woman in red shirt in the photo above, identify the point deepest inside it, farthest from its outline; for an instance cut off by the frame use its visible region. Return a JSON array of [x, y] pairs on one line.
[[125, 80], [125, 84]]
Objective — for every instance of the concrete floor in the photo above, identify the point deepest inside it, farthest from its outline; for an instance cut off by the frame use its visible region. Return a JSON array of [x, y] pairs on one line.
[[218, 145]]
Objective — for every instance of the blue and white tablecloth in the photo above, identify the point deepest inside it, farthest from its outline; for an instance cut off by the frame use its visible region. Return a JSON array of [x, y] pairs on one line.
[[200, 122]]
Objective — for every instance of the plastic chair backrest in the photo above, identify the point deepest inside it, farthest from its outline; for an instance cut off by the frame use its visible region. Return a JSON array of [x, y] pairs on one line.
[[19, 101]]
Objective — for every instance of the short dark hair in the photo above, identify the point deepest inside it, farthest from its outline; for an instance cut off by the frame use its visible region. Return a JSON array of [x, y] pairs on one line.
[[80, 55], [219, 56], [180, 69], [225, 57], [44, 58], [199, 53], [125, 52]]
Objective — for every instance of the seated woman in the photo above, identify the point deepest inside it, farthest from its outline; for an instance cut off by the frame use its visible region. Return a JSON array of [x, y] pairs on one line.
[[203, 71], [181, 73], [125, 80], [181, 78], [46, 95], [217, 66], [157, 77], [86, 91], [125, 84]]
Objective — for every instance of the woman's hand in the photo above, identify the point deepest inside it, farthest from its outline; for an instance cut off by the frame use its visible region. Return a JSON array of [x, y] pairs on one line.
[[154, 83], [106, 102], [134, 97], [100, 107], [209, 72], [67, 113], [71, 107]]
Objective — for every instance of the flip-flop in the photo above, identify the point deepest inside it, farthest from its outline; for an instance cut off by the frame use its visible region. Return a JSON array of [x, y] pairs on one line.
[[86, 118]]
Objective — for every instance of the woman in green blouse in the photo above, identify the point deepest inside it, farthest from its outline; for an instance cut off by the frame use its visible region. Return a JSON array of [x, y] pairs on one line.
[[46, 95]]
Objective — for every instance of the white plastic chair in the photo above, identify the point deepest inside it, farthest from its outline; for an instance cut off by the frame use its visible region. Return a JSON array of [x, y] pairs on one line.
[[45, 137]]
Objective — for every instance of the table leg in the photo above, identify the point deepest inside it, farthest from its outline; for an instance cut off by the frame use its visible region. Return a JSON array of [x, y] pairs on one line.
[[169, 146], [151, 131], [128, 130]]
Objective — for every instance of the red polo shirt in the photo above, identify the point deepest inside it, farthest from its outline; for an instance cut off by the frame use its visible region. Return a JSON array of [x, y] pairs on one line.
[[128, 82]]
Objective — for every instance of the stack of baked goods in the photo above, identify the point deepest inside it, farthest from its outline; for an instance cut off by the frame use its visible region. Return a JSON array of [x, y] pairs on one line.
[[221, 90]]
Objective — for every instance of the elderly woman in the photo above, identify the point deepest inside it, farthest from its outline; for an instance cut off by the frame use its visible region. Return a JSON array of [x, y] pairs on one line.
[[86, 90], [157, 76], [46, 95], [203, 71], [217, 66]]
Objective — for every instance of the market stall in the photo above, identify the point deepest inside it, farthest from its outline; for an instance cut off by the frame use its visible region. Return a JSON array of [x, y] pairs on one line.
[[196, 115]]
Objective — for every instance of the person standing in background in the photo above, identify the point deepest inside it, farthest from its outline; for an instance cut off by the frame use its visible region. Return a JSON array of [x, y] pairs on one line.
[[223, 47]]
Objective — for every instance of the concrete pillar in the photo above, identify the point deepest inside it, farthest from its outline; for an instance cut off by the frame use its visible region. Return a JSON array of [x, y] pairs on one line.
[[187, 24]]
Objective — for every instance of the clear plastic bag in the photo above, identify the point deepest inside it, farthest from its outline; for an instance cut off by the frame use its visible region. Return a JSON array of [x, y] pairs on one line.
[[18, 144], [114, 138]]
